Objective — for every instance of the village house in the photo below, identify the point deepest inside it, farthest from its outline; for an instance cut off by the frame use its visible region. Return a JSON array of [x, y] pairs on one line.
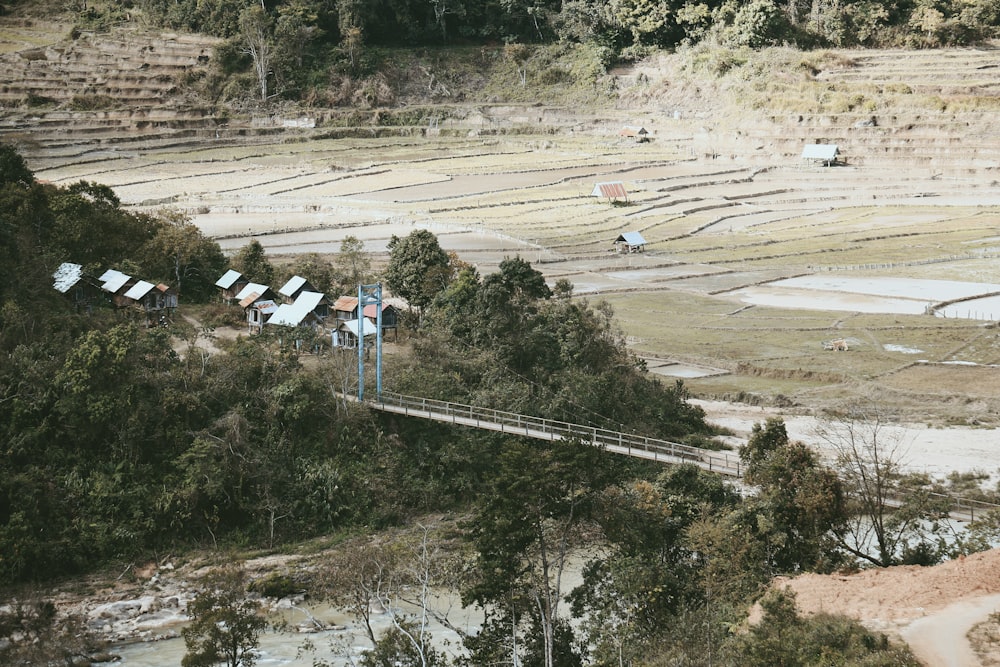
[[116, 283], [640, 134], [345, 308], [69, 279], [346, 333], [309, 309], [295, 286], [825, 154], [251, 299], [614, 191], [231, 283], [158, 302], [390, 317], [628, 242]]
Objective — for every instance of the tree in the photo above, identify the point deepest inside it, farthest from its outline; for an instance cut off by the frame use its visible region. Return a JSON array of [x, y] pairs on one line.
[[418, 268], [256, 28], [13, 168], [646, 20], [181, 254], [884, 519], [225, 626], [252, 262], [648, 573], [799, 501], [352, 266], [541, 496]]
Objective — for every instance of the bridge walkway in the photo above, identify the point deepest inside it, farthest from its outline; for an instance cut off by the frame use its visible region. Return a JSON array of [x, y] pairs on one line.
[[652, 449]]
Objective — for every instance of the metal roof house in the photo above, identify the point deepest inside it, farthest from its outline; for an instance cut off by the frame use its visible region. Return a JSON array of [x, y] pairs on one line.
[[157, 301], [307, 310], [113, 281], [613, 190], [346, 308], [295, 286], [825, 153], [69, 279], [640, 134], [390, 316], [346, 333], [257, 314], [231, 282], [630, 242], [249, 297], [116, 283], [67, 276]]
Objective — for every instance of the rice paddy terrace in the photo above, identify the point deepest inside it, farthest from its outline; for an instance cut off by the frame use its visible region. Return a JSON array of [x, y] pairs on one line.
[[720, 194]]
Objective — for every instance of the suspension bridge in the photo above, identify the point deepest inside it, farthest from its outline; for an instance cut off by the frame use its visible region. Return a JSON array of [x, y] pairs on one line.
[[723, 463]]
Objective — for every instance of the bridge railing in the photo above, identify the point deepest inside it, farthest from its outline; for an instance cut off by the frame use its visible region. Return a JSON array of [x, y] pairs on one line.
[[726, 463]]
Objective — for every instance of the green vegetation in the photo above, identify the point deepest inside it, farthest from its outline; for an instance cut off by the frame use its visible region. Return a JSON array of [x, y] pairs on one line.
[[354, 54], [255, 448], [225, 627]]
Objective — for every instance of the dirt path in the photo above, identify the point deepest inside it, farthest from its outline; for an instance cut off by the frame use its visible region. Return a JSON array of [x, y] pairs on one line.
[[931, 608], [940, 639]]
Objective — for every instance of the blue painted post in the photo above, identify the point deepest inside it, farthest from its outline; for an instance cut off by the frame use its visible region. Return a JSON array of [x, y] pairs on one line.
[[378, 342], [361, 344], [368, 295]]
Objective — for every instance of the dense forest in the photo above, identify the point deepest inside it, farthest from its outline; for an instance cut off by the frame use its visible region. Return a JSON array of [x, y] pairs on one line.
[[342, 52], [122, 442]]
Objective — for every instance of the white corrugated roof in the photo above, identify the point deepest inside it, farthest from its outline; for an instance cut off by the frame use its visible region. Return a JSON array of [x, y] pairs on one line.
[[292, 314], [294, 284], [631, 238], [114, 281], [139, 290], [252, 288], [67, 275], [352, 325], [820, 152], [228, 278]]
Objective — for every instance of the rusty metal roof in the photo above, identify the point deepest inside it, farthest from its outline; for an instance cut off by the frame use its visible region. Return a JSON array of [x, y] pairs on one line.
[[347, 303], [612, 190]]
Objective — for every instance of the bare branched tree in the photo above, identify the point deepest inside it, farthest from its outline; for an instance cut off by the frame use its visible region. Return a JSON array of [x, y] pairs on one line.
[[884, 519]]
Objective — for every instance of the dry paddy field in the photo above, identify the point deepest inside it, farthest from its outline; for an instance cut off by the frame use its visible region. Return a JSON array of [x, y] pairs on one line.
[[752, 262]]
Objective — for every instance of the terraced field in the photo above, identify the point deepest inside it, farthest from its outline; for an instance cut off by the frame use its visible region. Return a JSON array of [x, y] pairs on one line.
[[721, 195]]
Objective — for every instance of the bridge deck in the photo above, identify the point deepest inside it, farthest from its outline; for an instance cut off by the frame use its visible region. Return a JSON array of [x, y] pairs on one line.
[[628, 444]]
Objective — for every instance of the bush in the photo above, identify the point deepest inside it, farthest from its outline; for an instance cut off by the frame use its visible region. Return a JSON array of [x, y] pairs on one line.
[[91, 102]]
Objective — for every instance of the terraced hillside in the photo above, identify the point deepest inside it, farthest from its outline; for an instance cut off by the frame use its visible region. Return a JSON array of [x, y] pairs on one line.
[[727, 206], [63, 92]]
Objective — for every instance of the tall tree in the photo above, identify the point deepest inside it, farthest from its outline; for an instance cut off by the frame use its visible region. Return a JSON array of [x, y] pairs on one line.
[[181, 255], [418, 268], [541, 497], [352, 265], [800, 502], [256, 32], [886, 519], [252, 262]]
